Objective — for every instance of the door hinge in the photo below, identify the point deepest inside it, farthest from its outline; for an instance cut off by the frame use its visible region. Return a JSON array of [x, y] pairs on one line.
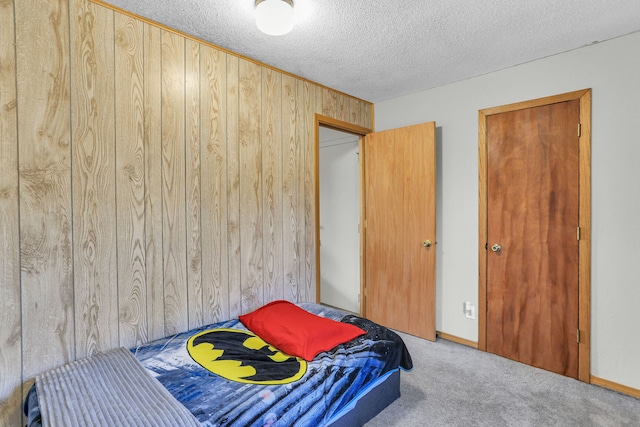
[[579, 130], [578, 233], [578, 336]]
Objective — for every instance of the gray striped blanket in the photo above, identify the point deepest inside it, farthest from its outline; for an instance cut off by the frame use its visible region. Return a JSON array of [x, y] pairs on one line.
[[108, 389]]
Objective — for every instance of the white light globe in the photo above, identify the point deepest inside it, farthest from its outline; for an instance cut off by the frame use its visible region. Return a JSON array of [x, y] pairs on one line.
[[274, 17]]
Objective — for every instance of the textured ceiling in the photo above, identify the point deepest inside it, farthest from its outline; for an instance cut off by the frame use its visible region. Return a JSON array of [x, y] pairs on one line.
[[380, 49]]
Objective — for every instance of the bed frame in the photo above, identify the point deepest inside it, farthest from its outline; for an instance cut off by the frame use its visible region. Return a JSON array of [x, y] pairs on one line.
[[370, 404]]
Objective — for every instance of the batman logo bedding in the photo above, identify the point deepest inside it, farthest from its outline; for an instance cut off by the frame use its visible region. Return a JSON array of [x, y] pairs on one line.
[[226, 376]]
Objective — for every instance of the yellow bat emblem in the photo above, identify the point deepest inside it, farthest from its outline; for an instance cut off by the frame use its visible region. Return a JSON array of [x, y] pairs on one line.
[[244, 357]]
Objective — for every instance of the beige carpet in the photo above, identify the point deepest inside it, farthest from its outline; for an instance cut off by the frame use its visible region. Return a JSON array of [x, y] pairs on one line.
[[454, 385]]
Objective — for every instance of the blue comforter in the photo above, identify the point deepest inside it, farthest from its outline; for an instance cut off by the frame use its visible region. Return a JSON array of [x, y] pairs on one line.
[[328, 384]]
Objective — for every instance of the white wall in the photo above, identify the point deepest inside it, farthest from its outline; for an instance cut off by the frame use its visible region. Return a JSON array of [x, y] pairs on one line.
[[612, 70], [339, 218]]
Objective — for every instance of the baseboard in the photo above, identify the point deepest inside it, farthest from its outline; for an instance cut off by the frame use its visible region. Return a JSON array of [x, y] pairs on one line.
[[630, 391], [457, 340], [634, 392]]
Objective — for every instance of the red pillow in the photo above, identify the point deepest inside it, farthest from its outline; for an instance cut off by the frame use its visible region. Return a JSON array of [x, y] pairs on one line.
[[296, 331]]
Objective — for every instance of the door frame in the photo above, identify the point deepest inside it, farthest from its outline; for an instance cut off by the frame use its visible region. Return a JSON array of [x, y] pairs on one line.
[[360, 131], [584, 220]]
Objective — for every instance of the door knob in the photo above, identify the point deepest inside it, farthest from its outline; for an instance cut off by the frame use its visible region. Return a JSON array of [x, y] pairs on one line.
[[426, 243], [496, 248]]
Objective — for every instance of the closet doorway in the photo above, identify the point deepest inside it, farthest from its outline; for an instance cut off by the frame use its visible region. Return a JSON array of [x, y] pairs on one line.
[[339, 182]]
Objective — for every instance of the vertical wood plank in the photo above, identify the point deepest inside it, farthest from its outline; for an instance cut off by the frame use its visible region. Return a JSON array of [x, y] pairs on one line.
[[310, 181], [10, 332], [173, 182], [329, 103], [366, 116], [45, 184], [233, 187], [94, 200], [249, 120], [342, 107], [215, 266], [301, 131], [272, 184], [154, 268], [318, 99], [194, 231], [129, 98], [290, 151], [354, 111], [317, 110]]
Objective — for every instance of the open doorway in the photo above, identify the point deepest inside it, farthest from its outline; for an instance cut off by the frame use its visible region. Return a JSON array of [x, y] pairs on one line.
[[339, 192]]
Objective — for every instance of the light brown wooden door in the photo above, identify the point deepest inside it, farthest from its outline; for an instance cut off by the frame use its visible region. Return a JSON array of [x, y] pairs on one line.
[[532, 224], [399, 192]]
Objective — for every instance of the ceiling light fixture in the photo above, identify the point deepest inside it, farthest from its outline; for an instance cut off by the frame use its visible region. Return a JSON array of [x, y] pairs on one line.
[[274, 17]]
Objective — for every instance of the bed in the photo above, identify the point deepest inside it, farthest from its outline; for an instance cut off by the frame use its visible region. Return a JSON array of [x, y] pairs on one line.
[[228, 374]]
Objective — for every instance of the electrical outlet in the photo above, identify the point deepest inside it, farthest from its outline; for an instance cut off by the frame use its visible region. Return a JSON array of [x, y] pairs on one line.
[[471, 313], [469, 310]]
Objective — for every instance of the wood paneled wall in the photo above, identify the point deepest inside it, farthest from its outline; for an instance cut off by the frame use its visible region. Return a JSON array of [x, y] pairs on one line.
[[149, 183]]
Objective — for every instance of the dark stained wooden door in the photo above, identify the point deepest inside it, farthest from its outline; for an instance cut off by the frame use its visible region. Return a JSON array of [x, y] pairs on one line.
[[400, 212], [532, 225]]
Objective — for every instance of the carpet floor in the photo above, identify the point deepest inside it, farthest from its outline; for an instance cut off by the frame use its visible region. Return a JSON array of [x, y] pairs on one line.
[[455, 385]]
